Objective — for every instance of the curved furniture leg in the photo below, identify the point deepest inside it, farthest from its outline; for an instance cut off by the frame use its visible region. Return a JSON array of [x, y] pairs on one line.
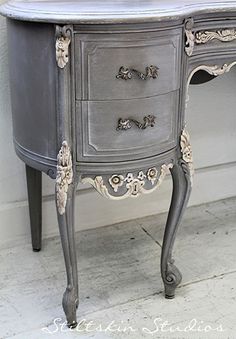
[[181, 176], [34, 186], [66, 183], [66, 225]]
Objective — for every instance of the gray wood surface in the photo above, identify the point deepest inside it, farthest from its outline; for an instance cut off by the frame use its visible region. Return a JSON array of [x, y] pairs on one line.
[[105, 11], [102, 55], [46, 113], [34, 185], [97, 121], [120, 278]]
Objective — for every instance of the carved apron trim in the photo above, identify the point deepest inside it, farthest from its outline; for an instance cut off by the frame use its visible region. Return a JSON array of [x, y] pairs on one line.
[[134, 185]]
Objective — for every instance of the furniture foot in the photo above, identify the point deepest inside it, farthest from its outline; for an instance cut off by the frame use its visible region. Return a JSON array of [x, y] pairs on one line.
[[70, 304], [181, 177], [34, 185]]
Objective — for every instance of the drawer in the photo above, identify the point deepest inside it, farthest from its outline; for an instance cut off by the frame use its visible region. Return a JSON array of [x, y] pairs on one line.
[[112, 69], [216, 36], [102, 136]]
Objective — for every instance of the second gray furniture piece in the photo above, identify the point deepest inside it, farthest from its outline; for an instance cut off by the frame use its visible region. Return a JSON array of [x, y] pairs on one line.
[[98, 93]]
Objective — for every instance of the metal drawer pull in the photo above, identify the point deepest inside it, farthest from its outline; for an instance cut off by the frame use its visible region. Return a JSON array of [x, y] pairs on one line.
[[124, 124], [127, 73]]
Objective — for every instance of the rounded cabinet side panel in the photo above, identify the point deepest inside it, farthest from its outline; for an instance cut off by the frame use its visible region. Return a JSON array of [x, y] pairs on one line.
[[32, 67]]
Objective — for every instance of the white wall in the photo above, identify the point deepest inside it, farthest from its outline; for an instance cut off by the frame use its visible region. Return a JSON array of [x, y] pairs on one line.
[[211, 120]]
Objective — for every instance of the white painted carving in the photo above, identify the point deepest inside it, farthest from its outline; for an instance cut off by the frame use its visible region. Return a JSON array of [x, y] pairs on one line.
[[190, 39], [64, 176], [224, 35], [215, 70], [116, 181], [62, 51], [134, 185], [187, 154], [186, 149]]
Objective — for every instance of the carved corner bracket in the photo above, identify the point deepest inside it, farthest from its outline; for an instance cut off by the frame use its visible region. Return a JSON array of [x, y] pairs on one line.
[[187, 155], [64, 176], [190, 37], [203, 37], [63, 40], [130, 184]]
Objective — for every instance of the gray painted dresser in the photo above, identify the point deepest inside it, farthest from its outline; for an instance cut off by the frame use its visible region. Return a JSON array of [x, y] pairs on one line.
[[98, 92]]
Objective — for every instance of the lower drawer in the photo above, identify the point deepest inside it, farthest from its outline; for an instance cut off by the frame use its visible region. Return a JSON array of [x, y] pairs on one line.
[[122, 130]]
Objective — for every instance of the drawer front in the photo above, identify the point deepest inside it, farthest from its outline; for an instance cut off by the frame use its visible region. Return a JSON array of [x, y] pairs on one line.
[[211, 37], [114, 69], [126, 130]]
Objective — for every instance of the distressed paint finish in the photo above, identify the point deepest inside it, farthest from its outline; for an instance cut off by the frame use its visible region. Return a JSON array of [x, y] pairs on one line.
[[62, 47], [92, 11], [78, 98]]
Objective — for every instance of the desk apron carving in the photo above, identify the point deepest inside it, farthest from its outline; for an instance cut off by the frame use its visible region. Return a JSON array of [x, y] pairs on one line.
[[203, 37], [135, 185]]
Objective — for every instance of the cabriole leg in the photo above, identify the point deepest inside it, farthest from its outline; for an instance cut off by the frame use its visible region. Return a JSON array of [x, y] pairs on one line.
[[66, 225], [34, 186], [182, 173], [65, 198]]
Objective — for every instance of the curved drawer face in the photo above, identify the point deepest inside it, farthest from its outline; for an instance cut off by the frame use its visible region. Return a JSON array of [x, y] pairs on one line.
[[158, 61], [102, 137]]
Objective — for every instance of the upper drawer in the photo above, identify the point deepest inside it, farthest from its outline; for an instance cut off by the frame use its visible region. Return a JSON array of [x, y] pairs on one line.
[[97, 75]]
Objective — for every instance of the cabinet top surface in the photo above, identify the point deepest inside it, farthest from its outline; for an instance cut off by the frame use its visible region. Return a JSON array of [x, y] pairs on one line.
[[111, 11]]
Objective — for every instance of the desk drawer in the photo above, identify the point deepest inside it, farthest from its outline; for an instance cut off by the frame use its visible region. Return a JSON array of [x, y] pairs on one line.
[[127, 129], [127, 69]]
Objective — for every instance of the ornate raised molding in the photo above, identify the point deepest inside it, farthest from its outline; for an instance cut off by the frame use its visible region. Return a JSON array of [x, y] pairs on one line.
[[134, 185], [215, 70], [190, 38], [202, 37], [224, 35], [187, 154], [62, 45], [185, 145], [64, 176]]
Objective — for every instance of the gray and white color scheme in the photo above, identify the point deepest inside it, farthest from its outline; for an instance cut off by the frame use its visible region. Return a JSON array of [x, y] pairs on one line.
[[103, 101]]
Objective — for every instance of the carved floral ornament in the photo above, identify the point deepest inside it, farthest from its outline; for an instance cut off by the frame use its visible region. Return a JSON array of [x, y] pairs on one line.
[[187, 154], [203, 37], [134, 185], [62, 45], [64, 176]]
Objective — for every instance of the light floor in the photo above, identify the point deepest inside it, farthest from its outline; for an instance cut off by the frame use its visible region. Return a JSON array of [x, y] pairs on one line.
[[120, 282]]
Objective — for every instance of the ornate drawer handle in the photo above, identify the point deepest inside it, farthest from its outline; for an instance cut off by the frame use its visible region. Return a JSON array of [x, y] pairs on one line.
[[127, 73], [124, 124]]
